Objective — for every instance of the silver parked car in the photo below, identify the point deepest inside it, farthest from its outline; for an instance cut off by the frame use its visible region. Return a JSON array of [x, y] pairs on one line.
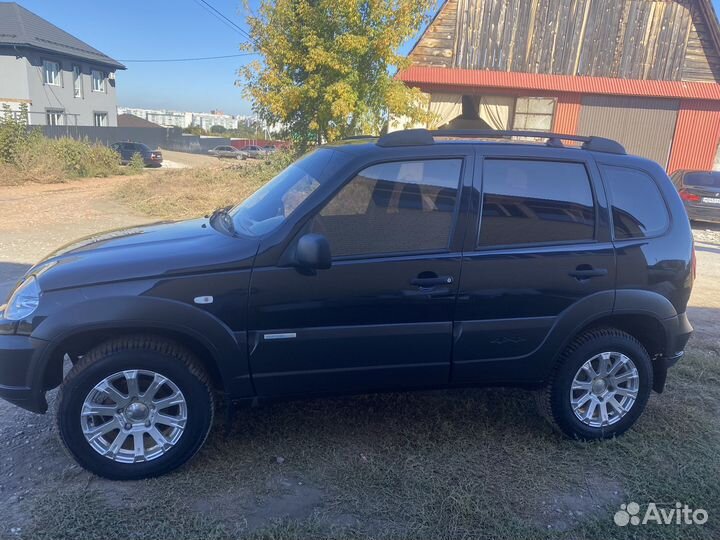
[[228, 152], [257, 152]]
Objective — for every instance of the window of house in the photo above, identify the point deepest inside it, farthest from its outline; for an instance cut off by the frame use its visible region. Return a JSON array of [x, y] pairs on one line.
[[51, 73], [716, 164], [100, 119], [398, 207], [534, 113], [54, 117], [77, 82], [638, 209], [529, 202], [98, 81]]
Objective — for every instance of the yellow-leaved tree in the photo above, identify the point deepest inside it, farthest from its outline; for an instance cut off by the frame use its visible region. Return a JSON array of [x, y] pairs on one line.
[[327, 65]]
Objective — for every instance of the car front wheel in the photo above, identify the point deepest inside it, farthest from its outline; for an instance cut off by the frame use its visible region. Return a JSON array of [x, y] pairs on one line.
[[135, 407], [600, 386]]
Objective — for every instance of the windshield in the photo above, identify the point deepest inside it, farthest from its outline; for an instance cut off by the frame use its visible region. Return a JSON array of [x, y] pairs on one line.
[[272, 204], [703, 179]]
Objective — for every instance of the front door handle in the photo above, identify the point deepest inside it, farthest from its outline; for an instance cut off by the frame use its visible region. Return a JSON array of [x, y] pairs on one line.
[[585, 271], [427, 282]]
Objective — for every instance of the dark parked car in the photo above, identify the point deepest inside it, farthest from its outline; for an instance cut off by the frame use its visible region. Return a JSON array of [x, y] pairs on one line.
[[151, 158], [400, 263], [227, 152], [700, 192]]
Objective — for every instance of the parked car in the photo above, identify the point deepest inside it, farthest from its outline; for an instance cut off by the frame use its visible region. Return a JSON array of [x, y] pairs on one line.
[[405, 262], [700, 192], [227, 152], [257, 152], [151, 158]]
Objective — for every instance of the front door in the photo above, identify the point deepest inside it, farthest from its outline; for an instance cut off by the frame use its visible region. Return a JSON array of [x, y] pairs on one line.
[[541, 254], [381, 316]]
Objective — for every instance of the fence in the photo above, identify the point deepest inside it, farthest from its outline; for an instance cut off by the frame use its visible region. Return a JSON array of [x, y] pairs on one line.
[[166, 138]]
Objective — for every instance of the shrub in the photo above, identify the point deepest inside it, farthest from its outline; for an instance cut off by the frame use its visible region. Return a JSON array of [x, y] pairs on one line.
[[28, 156], [137, 163]]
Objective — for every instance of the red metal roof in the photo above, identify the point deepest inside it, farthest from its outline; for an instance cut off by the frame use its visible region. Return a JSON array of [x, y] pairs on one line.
[[437, 76]]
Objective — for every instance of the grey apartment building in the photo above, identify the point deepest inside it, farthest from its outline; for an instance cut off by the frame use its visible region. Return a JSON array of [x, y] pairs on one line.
[[61, 79]]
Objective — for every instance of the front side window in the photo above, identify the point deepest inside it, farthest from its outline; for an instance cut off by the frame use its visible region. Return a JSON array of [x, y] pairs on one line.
[[534, 113], [535, 202], [77, 82], [638, 209], [271, 205], [54, 117], [98, 81], [100, 119], [51, 73], [398, 207]]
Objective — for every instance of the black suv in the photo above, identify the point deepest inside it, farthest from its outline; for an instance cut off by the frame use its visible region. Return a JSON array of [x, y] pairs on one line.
[[416, 260]]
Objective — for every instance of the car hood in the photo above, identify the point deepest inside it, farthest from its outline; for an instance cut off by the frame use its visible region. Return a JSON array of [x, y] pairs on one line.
[[155, 250]]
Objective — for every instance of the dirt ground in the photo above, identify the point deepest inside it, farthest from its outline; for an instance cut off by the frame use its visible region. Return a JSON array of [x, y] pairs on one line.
[[339, 465]]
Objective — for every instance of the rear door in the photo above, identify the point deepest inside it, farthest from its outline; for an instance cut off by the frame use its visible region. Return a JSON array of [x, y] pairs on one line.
[[541, 247]]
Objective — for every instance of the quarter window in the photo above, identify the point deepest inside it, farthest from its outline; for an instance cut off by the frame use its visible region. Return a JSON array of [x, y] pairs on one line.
[[638, 209], [98, 81], [530, 202], [398, 207], [51, 73]]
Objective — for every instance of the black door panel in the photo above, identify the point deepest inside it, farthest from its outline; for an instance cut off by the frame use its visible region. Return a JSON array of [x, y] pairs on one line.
[[542, 247], [357, 320]]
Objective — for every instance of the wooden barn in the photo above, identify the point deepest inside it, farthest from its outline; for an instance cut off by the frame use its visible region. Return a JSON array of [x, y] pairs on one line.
[[644, 72]]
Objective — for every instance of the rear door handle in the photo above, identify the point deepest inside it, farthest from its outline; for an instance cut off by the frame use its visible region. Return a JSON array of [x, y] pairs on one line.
[[431, 281], [587, 273]]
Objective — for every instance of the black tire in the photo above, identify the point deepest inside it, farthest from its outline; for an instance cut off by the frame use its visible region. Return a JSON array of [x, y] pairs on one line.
[[554, 401], [136, 353]]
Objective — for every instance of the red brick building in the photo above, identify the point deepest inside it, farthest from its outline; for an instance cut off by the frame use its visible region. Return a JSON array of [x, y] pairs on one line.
[[644, 72]]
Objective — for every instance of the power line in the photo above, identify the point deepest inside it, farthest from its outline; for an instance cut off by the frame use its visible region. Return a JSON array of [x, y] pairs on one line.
[[228, 22], [189, 59]]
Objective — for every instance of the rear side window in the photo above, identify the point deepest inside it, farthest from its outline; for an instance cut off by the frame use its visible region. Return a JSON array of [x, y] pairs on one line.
[[638, 209], [531, 202], [398, 207]]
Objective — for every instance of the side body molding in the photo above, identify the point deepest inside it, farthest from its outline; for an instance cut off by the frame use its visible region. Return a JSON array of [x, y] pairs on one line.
[[148, 313]]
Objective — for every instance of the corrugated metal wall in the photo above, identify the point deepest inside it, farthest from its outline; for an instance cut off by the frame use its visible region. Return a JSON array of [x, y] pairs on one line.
[[567, 113], [696, 136], [645, 126]]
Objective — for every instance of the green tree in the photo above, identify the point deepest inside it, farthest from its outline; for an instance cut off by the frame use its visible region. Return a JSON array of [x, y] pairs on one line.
[[327, 65], [217, 129]]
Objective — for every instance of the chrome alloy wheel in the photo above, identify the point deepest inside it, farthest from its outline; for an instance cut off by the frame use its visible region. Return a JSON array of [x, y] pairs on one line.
[[604, 389], [134, 416]]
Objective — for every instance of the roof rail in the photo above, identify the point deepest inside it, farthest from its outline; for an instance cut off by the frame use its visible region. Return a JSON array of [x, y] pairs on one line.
[[421, 137]]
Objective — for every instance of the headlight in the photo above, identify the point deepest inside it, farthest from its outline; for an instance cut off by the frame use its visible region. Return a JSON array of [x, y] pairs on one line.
[[24, 301]]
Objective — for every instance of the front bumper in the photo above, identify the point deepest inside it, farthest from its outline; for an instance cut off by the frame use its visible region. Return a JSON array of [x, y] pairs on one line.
[[21, 375]]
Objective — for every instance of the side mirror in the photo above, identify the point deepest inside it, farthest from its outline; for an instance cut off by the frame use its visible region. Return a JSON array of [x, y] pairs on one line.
[[313, 252]]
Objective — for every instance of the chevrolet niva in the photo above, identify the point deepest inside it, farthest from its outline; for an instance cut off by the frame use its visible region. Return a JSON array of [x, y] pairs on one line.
[[411, 261]]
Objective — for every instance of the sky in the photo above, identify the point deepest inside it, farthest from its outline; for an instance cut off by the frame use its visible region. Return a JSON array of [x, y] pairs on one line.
[[164, 29], [161, 29]]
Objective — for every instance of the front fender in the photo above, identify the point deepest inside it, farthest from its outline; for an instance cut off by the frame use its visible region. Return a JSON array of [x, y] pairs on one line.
[[144, 313]]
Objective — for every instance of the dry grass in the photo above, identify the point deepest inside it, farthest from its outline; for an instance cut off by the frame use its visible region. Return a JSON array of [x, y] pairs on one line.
[[187, 193]]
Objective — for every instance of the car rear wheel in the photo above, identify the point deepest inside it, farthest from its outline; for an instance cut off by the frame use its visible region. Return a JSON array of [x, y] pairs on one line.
[[600, 386], [134, 408]]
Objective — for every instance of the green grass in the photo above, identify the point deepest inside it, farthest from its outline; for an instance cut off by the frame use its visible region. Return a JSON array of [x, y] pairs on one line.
[[440, 465]]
